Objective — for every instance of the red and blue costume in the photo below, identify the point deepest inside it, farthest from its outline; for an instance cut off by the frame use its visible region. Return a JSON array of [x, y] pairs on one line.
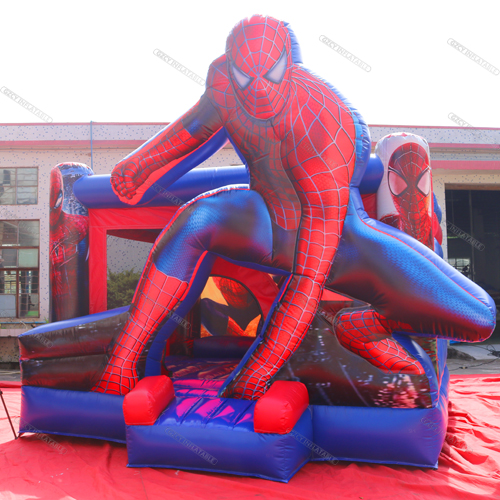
[[67, 233], [305, 147]]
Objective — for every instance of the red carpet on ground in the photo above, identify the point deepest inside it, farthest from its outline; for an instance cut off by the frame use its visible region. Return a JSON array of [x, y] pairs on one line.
[[67, 468]]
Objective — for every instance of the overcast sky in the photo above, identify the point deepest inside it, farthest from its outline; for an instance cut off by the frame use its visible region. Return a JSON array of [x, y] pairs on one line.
[[93, 60]]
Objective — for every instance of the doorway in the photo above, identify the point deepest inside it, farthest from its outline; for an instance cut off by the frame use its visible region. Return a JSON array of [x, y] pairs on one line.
[[473, 229]]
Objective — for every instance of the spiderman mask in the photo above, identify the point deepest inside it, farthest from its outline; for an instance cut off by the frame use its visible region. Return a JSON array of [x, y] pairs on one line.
[[260, 65], [410, 184]]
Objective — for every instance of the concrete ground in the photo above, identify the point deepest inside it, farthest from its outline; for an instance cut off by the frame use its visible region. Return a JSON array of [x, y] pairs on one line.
[[479, 358], [461, 366], [10, 375]]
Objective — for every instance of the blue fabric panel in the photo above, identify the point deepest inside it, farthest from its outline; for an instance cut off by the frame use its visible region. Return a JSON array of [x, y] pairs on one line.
[[437, 209], [233, 220], [383, 435], [96, 191], [209, 412], [373, 175], [197, 182], [442, 353], [221, 347], [72, 413], [217, 435], [296, 52], [240, 155], [438, 249]]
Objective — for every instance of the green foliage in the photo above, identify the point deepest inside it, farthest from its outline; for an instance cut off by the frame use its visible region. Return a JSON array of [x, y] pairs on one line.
[[121, 287]]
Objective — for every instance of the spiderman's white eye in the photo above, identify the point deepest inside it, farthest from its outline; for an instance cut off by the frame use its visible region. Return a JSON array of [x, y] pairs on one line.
[[59, 200], [424, 182], [397, 184], [241, 79], [277, 72]]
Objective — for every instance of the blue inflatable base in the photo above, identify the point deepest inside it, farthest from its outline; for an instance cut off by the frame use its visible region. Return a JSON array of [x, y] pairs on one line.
[[207, 433], [399, 436], [216, 435], [72, 413]]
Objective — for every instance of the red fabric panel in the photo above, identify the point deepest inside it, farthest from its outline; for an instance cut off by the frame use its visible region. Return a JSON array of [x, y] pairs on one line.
[[98, 270], [144, 403], [370, 204], [280, 408], [131, 218], [103, 220], [436, 229], [469, 465], [330, 296]]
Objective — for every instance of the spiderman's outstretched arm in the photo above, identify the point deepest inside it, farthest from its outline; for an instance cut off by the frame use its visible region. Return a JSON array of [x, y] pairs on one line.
[[133, 175]]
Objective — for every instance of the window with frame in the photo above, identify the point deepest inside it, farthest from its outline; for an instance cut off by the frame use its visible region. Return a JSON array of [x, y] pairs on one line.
[[19, 186], [19, 268]]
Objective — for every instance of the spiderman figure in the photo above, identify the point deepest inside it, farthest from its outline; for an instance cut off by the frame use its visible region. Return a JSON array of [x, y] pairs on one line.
[[67, 232], [410, 184], [304, 145]]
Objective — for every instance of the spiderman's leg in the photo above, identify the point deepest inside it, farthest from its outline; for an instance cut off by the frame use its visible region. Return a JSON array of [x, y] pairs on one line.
[[410, 288], [230, 222], [288, 325], [368, 334]]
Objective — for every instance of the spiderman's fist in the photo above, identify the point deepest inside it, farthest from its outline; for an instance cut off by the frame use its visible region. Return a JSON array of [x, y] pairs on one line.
[[126, 179]]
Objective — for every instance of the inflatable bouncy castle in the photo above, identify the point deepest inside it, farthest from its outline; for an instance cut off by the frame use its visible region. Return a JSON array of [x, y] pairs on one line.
[[294, 308]]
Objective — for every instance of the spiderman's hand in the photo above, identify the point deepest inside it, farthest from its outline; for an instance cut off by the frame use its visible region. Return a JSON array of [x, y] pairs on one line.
[[127, 177]]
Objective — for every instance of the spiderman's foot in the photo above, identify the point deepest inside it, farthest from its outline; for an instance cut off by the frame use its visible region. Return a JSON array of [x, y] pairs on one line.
[[116, 380], [388, 356], [247, 388]]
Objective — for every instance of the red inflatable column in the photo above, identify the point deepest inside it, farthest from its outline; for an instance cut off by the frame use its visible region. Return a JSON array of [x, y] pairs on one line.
[[69, 243]]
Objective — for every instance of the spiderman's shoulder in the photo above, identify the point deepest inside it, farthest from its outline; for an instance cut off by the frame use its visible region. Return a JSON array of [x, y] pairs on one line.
[[319, 96], [219, 89], [217, 72], [311, 84]]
